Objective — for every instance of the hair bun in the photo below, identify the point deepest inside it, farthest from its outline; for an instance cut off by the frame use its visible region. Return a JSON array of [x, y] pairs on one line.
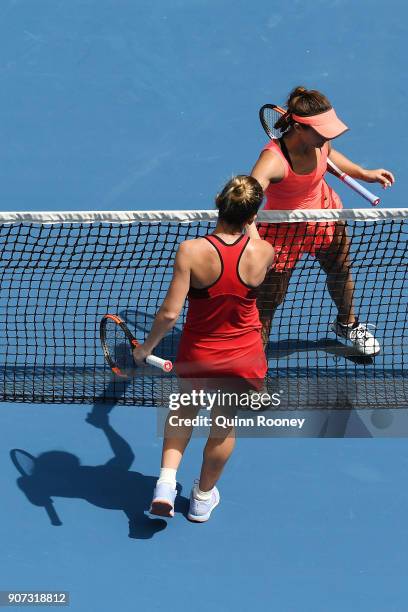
[[296, 94], [304, 102], [240, 198], [298, 91], [240, 187]]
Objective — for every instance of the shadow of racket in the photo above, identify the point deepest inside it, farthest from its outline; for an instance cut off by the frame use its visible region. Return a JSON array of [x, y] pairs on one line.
[[25, 465]]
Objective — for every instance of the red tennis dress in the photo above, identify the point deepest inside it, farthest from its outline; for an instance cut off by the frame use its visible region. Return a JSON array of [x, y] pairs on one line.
[[222, 333]]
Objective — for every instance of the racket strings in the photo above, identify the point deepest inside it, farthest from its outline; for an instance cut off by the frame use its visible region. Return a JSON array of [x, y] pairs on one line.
[[271, 116], [23, 462], [118, 346]]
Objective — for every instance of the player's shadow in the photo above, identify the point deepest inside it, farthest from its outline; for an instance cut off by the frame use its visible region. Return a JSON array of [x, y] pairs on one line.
[[290, 346], [340, 422], [331, 405], [112, 485]]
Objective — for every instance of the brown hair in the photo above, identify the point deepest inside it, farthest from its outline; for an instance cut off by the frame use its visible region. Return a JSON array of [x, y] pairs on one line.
[[303, 102], [239, 200]]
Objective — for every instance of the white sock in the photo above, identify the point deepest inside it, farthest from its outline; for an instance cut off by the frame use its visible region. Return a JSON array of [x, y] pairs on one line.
[[347, 324], [201, 495], [167, 475]]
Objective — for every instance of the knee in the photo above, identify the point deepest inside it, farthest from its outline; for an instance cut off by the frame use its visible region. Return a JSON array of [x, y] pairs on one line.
[[184, 412], [188, 412]]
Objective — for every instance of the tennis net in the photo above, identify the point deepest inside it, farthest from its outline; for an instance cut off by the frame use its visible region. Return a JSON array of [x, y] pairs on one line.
[[61, 272]]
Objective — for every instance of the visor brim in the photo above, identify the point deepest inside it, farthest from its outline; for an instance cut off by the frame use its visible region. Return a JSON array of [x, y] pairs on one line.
[[330, 131]]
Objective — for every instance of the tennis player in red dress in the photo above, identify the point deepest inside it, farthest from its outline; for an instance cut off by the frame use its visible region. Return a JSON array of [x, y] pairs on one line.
[[221, 339], [291, 171]]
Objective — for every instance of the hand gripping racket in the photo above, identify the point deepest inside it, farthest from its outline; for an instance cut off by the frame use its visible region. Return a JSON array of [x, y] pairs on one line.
[[117, 344], [269, 115]]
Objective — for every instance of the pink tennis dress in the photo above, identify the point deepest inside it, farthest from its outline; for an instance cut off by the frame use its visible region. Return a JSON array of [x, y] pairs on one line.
[[298, 191]]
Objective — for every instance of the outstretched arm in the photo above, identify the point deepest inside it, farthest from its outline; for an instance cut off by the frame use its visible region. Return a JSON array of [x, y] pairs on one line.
[[380, 175], [268, 169], [171, 307], [252, 231]]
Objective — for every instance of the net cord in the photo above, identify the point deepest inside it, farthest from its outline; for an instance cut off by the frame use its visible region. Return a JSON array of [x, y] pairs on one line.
[[192, 216]]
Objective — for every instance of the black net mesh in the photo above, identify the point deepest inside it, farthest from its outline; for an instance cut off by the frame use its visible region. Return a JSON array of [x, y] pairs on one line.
[[58, 280]]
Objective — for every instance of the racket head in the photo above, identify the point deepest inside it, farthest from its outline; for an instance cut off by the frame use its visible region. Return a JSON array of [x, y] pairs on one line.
[[25, 464], [117, 344], [268, 116], [23, 461]]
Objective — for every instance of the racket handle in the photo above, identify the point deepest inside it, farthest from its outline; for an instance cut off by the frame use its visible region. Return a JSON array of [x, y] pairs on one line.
[[163, 364], [157, 362], [53, 516], [373, 199]]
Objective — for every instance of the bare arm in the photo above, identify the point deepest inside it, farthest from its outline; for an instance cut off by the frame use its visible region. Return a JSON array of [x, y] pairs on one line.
[[271, 255], [384, 177], [171, 307], [267, 248], [268, 169], [252, 231]]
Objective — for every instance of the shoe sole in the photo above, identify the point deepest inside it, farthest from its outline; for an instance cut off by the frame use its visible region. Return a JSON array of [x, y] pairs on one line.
[[202, 519], [373, 354], [356, 352], [161, 507]]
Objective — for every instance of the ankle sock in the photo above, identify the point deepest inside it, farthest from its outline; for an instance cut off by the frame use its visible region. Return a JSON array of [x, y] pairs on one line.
[[348, 325], [201, 495], [167, 475]]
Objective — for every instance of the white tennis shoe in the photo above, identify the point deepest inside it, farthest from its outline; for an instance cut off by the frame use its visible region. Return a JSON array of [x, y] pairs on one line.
[[200, 511], [363, 341], [163, 500]]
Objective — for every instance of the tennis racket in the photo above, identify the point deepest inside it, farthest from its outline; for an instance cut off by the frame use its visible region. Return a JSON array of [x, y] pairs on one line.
[[269, 115], [25, 464], [117, 344]]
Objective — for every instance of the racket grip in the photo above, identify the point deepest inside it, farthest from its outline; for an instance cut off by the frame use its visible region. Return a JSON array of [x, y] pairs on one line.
[[157, 362], [53, 516], [373, 199]]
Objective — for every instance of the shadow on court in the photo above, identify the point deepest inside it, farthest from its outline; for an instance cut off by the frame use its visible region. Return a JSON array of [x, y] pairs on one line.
[[112, 486], [290, 346], [142, 321]]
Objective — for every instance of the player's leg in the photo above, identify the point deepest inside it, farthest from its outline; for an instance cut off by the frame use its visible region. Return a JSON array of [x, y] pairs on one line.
[[271, 294], [218, 449], [286, 239], [335, 261], [177, 434]]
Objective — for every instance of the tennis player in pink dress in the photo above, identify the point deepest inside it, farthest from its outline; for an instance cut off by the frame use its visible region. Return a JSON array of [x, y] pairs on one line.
[[291, 171]]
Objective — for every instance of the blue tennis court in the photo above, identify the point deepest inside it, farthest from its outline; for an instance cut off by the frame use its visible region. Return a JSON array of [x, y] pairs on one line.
[[136, 107]]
